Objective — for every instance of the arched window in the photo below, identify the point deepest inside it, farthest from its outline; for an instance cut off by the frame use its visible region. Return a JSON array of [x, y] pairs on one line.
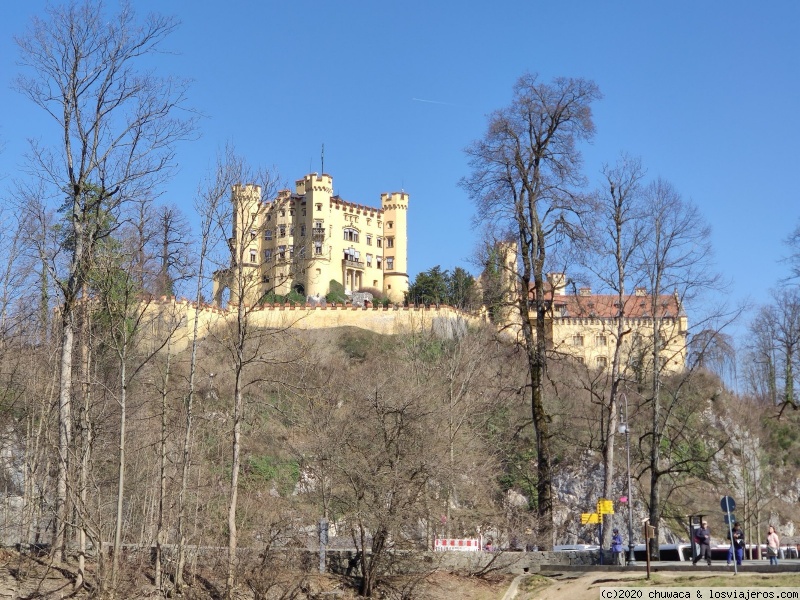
[[350, 234]]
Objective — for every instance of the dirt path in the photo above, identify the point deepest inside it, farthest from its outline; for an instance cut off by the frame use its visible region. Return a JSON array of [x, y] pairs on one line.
[[587, 586]]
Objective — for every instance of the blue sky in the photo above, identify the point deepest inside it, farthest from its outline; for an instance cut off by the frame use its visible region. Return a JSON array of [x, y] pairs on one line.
[[706, 93]]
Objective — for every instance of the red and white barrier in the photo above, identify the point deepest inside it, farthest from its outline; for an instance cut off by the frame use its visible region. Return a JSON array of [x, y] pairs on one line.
[[457, 544]]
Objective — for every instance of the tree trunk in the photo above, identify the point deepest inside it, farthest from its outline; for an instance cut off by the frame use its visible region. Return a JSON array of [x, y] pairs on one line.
[[64, 432], [234, 490], [655, 448], [162, 479], [120, 471]]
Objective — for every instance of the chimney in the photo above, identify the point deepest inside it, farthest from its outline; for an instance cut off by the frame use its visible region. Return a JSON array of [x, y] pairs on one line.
[[558, 282], [585, 291], [640, 291]]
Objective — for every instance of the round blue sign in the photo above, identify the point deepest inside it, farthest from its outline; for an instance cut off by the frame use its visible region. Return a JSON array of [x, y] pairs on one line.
[[727, 504]]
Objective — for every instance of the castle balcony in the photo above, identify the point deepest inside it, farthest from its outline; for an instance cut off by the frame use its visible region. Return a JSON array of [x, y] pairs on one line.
[[318, 235], [353, 264]]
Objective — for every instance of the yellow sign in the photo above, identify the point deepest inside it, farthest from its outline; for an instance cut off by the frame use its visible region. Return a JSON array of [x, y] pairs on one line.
[[589, 518], [605, 507]]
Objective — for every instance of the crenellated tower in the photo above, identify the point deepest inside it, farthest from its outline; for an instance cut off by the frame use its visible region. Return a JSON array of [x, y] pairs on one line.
[[242, 277], [315, 216], [395, 237]]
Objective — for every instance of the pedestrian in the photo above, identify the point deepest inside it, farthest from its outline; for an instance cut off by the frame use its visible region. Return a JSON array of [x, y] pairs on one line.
[[773, 546], [702, 538], [737, 544], [616, 547]]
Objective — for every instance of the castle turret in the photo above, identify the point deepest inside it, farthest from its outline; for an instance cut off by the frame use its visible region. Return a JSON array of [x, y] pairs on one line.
[[243, 244], [316, 191], [395, 252]]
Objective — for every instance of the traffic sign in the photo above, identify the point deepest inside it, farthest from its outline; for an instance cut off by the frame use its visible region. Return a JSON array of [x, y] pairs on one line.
[[589, 518], [605, 507], [731, 518], [727, 504]]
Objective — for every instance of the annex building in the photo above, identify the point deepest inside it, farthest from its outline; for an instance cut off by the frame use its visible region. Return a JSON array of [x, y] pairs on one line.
[[583, 326], [301, 241]]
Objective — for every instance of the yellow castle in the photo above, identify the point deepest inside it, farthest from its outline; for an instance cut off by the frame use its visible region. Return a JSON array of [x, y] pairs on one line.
[[302, 241]]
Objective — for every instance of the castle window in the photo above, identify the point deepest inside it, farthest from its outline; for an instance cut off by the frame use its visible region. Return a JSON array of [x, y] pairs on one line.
[[252, 234], [268, 234], [317, 247], [282, 231], [267, 255], [265, 278], [369, 260], [319, 207], [253, 254], [302, 230], [281, 252], [369, 239], [577, 340], [291, 213], [600, 340], [283, 213], [390, 242], [379, 262], [350, 235], [379, 242], [269, 218], [389, 263], [601, 362], [389, 224]]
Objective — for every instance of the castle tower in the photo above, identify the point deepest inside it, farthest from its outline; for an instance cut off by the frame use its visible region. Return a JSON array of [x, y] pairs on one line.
[[243, 278], [317, 191], [395, 251]]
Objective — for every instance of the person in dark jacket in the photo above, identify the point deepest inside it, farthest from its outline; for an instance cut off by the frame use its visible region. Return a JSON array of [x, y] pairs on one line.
[[702, 537], [737, 544]]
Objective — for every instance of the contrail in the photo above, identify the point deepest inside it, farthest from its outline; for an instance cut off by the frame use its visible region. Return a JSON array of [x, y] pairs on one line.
[[432, 101]]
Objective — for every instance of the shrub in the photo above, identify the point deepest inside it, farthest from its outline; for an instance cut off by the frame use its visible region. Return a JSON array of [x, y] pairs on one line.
[[335, 294]]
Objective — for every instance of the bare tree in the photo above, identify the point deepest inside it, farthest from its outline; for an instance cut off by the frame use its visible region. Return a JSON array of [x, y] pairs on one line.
[[793, 243], [524, 173], [714, 351], [250, 348], [210, 205], [775, 347], [116, 128], [610, 239], [674, 256]]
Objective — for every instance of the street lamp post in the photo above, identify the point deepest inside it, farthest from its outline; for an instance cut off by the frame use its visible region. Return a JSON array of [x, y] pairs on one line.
[[623, 428]]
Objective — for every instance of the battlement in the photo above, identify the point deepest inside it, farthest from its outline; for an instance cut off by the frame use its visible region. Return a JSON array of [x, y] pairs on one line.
[[394, 200], [314, 182], [354, 207], [250, 191]]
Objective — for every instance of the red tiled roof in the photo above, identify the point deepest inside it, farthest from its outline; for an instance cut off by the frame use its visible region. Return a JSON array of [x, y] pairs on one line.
[[606, 305]]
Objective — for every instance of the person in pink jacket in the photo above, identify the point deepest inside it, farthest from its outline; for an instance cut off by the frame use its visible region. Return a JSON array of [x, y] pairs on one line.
[[773, 546]]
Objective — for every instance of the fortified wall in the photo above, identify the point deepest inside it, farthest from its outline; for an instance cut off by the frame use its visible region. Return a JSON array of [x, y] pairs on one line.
[[169, 314]]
